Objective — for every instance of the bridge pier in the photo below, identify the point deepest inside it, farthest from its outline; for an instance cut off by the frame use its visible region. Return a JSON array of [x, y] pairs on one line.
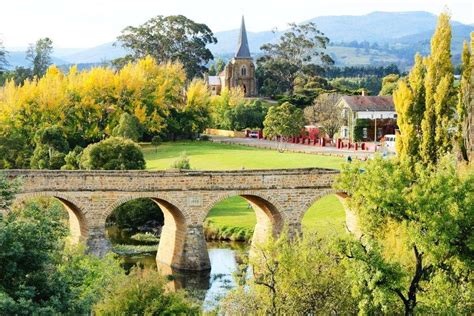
[[194, 256], [97, 242], [186, 251]]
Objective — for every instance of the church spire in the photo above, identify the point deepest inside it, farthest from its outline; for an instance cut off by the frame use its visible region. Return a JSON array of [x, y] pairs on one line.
[[243, 50]]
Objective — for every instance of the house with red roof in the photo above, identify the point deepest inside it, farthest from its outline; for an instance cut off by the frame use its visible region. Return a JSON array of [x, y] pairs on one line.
[[367, 118]]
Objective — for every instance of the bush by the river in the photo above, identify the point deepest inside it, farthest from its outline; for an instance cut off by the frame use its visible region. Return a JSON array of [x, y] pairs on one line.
[[227, 233], [143, 292]]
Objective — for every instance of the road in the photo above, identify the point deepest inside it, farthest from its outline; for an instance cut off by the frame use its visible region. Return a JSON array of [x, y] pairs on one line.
[[309, 149]]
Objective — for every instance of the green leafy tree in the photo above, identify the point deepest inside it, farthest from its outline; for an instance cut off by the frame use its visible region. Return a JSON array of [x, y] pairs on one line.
[[283, 121], [114, 153], [39, 275], [143, 293], [415, 253], [136, 213], [171, 38], [15, 148], [51, 148], [73, 159], [128, 127], [156, 141], [250, 115], [298, 277], [297, 52], [464, 107], [39, 54], [389, 84]]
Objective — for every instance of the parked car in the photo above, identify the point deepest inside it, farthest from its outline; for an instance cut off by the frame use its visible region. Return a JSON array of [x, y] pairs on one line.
[[389, 143]]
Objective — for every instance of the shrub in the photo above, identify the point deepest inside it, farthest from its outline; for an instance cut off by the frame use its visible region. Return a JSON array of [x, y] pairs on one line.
[[114, 153], [182, 162], [142, 292]]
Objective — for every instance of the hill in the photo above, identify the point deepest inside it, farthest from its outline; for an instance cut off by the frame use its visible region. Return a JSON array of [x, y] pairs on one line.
[[377, 38]]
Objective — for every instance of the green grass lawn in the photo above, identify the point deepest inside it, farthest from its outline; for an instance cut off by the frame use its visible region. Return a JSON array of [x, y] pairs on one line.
[[233, 217], [215, 156], [326, 216]]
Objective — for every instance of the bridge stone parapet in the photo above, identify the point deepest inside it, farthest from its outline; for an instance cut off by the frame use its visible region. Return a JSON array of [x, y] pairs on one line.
[[280, 198]]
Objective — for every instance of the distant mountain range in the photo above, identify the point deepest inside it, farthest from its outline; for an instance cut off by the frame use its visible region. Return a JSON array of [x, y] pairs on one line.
[[398, 36]]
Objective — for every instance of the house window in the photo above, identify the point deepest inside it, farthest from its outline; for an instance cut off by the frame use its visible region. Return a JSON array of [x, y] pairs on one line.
[[243, 71]]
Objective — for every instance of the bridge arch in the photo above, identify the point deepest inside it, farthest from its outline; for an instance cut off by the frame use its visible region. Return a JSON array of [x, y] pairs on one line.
[[78, 225], [269, 218], [173, 233], [351, 224]]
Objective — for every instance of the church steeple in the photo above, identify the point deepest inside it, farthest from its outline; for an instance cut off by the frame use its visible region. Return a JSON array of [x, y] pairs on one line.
[[243, 50]]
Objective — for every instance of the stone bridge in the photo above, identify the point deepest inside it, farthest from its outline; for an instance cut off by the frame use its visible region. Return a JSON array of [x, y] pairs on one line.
[[280, 199]]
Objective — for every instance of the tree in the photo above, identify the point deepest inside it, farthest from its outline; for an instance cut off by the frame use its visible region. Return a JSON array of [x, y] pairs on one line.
[[87, 106], [409, 99], [39, 55], [464, 107], [282, 62], [425, 102], [51, 148], [283, 121], [39, 275], [224, 103], [325, 113], [220, 65], [143, 292], [187, 121], [156, 141], [439, 101], [3, 58], [73, 159], [389, 84], [250, 115], [136, 213], [292, 277], [416, 250], [114, 153], [171, 38], [128, 127], [8, 189]]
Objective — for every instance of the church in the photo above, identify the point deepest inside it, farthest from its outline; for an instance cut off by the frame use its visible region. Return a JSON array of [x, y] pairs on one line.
[[239, 71]]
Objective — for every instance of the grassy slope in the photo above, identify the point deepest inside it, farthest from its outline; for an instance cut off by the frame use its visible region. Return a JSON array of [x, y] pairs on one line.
[[326, 216], [214, 156]]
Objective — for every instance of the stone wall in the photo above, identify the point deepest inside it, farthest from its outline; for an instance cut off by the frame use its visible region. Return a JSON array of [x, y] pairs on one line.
[[280, 197]]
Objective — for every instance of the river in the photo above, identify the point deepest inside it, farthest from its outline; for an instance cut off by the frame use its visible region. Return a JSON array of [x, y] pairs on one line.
[[205, 287]]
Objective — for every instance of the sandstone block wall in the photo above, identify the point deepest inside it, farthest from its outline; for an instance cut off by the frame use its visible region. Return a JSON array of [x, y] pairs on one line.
[[280, 198]]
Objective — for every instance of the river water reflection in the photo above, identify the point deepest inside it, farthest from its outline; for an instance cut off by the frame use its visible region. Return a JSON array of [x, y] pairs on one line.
[[206, 287]]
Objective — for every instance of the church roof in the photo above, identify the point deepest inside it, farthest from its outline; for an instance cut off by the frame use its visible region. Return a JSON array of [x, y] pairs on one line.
[[243, 50]]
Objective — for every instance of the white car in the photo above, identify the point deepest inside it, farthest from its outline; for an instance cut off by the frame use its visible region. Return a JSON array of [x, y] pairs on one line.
[[389, 143]]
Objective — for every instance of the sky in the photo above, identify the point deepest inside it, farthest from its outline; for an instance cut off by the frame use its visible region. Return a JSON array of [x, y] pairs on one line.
[[88, 23]]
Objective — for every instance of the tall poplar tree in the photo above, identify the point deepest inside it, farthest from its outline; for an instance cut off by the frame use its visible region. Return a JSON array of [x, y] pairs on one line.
[[409, 101], [439, 98], [425, 102], [464, 106]]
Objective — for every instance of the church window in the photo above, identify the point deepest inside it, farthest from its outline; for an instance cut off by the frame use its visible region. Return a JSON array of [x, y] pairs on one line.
[[243, 71]]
